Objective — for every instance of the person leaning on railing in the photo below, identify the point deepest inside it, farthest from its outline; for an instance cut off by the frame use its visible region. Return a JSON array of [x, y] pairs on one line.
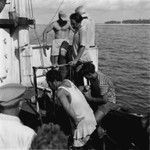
[[80, 46], [101, 91], [74, 103]]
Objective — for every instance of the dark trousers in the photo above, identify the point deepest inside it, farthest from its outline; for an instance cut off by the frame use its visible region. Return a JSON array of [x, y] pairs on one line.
[[77, 74], [65, 70]]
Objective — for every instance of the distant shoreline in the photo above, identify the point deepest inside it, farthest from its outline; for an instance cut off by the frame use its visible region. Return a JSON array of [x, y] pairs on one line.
[[122, 24], [129, 21]]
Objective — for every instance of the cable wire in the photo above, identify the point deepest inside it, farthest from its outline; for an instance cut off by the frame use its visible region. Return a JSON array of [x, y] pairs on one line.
[[50, 20], [55, 13], [31, 4]]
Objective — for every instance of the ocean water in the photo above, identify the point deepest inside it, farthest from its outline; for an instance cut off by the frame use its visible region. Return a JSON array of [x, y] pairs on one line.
[[124, 55]]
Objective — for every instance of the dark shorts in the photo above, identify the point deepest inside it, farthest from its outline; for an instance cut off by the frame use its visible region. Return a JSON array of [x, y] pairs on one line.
[[65, 59], [77, 75]]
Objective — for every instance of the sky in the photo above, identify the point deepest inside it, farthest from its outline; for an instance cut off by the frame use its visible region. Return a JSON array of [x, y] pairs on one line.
[[45, 11], [100, 10]]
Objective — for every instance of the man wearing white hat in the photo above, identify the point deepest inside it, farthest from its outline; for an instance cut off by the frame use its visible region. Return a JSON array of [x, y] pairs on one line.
[[13, 134], [61, 29], [89, 25]]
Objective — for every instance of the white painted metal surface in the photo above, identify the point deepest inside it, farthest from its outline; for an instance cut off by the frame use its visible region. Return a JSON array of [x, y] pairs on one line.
[[94, 56], [37, 60], [24, 46], [9, 62], [16, 54]]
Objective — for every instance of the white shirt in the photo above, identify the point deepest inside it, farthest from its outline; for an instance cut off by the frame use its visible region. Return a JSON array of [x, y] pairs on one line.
[[81, 39], [13, 134], [89, 25], [85, 36]]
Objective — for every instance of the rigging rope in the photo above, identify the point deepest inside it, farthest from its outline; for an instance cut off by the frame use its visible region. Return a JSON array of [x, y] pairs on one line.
[[35, 31], [55, 13], [28, 9], [31, 8], [41, 54], [2, 5], [51, 19]]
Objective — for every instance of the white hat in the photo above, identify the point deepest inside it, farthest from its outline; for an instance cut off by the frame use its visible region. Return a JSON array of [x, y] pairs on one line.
[[11, 93], [80, 10], [62, 15]]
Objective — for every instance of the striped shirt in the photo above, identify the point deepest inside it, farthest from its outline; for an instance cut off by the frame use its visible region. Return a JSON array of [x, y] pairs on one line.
[[103, 86]]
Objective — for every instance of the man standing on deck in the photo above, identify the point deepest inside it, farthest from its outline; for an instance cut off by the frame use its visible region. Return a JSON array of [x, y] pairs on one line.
[[89, 22], [13, 134], [75, 104], [61, 28], [80, 45]]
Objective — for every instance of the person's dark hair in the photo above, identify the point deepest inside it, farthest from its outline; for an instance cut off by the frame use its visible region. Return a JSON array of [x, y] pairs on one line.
[[1, 108], [87, 68], [53, 75], [77, 17], [49, 137]]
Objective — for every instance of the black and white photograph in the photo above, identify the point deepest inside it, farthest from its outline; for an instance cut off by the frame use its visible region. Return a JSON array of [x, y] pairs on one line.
[[74, 74]]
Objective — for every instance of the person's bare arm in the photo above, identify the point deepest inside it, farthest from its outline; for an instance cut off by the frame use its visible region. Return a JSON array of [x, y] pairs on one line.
[[89, 98], [71, 28], [83, 43], [81, 50], [47, 29]]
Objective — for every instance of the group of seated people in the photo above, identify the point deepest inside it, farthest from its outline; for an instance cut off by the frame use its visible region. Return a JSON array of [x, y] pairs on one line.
[[84, 119], [85, 105]]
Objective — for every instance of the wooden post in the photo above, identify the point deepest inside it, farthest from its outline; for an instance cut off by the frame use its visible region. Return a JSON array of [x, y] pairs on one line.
[[24, 46], [15, 58]]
